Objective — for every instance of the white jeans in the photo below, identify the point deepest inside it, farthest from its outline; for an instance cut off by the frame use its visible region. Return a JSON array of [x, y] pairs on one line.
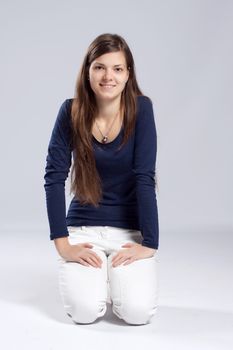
[[131, 289]]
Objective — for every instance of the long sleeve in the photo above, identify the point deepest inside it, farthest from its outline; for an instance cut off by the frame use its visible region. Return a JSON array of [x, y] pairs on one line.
[[58, 162], [144, 169]]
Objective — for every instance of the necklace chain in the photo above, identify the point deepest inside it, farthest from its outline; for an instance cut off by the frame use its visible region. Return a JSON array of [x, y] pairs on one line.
[[105, 137]]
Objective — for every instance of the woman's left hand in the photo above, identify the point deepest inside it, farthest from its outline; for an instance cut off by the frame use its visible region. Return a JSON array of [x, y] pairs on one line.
[[134, 252]]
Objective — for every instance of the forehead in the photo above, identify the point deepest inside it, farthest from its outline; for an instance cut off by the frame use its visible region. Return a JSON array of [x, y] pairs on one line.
[[111, 58]]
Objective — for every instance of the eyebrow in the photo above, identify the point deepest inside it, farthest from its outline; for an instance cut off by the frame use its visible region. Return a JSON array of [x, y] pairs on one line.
[[114, 65]]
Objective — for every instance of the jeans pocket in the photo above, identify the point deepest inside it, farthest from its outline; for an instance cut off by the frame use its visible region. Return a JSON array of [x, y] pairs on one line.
[[76, 235], [77, 230], [72, 229]]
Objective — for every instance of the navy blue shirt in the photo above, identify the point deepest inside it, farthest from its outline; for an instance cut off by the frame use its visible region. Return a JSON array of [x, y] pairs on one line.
[[127, 175]]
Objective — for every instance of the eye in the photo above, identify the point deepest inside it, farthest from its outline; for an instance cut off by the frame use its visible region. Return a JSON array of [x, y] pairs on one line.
[[117, 69]]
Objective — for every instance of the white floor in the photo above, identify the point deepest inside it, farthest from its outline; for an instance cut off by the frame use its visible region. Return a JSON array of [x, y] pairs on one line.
[[195, 308]]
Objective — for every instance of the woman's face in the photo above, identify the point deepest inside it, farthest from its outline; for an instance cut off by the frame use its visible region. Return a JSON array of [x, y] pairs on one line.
[[108, 75]]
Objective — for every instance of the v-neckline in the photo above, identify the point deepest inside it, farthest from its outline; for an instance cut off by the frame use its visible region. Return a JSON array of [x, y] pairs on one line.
[[111, 142]]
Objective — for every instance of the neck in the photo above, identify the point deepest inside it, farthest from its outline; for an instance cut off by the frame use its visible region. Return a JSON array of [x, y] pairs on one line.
[[107, 110]]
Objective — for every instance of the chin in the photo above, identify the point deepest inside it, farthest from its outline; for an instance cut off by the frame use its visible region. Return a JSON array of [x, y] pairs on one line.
[[108, 95]]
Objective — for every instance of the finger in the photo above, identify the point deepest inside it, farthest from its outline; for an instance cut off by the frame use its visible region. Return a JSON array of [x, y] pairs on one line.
[[88, 245], [122, 254], [118, 255], [97, 257], [129, 261], [116, 258], [92, 259], [127, 245], [119, 261], [83, 262]]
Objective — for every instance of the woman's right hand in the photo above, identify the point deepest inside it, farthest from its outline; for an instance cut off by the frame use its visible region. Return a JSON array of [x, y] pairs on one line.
[[80, 252]]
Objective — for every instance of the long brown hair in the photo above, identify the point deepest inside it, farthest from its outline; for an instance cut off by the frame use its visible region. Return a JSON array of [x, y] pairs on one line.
[[85, 179]]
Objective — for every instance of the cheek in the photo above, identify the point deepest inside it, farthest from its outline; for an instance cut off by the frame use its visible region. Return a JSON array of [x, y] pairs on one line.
[[94, 85], [94, 81], [95, 76], [119, 80], [121, 84], [122, 79]]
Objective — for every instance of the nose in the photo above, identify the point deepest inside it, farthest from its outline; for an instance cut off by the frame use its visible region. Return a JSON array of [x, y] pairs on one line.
[[107, 74]]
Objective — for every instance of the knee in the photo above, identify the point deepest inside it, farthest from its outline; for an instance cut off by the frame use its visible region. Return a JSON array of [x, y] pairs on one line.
[[87, 313], [135, 314]]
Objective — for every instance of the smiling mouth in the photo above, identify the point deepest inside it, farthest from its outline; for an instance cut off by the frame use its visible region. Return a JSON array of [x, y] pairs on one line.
[[107, 85]]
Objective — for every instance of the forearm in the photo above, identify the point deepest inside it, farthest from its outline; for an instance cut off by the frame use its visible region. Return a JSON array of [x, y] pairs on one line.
[[61, 245]]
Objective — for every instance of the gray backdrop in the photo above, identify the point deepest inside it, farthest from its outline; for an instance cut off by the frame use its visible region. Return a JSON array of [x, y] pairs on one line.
[[183, 53]]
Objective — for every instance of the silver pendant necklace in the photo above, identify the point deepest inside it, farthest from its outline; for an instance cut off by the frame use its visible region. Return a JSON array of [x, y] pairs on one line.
[[105, 137]]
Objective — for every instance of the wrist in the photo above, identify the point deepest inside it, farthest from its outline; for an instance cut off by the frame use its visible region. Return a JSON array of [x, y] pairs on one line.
[[62, 244]]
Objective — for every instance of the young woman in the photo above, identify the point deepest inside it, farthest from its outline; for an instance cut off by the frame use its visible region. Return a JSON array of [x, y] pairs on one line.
[[108, 241]]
